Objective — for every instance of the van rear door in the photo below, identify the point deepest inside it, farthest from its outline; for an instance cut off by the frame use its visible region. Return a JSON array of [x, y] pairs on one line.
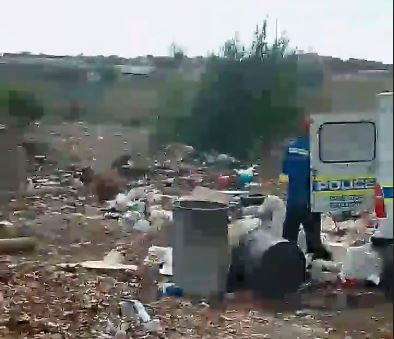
[[343, 156]]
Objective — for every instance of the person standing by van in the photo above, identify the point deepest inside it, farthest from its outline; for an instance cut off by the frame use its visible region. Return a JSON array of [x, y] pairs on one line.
[[296, 168]]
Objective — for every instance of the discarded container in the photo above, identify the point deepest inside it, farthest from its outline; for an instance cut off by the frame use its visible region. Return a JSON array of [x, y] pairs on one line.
[[200, 247], [270, 267], [245, 178]]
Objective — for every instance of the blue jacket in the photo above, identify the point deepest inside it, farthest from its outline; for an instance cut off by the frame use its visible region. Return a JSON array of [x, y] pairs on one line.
[[296, 165]]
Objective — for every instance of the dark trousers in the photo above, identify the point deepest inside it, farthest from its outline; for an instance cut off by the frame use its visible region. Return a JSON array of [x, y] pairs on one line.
[[297, 215]]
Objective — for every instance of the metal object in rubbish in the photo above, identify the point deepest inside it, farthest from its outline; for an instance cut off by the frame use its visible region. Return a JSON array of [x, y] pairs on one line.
[[270, 266], [200, 247]]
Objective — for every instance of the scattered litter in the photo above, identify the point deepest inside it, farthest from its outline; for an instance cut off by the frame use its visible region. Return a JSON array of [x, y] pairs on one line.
[[82, 298], [151, 325], [164, 255], [142, 225], [169, 290], [113, 261], [361, 263], [325, 271], [128, 220]]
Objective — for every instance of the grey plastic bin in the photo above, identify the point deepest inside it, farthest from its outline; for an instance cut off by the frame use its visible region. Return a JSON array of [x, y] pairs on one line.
[[200, 247]]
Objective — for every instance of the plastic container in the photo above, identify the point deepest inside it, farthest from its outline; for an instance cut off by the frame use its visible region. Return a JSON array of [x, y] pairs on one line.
[[200, 247], [245, 178]]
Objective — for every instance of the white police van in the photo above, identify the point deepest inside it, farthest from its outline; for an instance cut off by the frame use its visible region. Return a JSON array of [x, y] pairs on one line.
[[384, 171], [343, 162], [352, 164], [352, 172]]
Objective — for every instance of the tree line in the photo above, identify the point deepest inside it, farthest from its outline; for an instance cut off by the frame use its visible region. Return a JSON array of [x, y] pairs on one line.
[[247, 98]]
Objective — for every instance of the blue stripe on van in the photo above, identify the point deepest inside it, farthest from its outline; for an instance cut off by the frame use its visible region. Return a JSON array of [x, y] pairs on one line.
[[387, 192]]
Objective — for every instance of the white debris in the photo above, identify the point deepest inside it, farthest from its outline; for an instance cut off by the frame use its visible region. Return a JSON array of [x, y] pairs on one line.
[[114, 257], [325, 271], [140, 311], [121, 202], [240, 227], [301, 240], [136, 193], [142, 225], [361, 263], [112, 261], [128, 220], [272, 214], [164, 254]]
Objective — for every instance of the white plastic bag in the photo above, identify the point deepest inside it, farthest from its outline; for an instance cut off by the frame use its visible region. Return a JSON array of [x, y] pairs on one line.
[[272, 214], [121, 202], [128, 220], [301, 241], [142, 225], [361, 263]]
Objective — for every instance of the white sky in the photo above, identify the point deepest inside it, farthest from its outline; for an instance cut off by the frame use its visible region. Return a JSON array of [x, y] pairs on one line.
[[344, 28]]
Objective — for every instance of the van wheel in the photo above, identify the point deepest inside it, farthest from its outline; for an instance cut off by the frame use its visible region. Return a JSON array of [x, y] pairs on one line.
[[387, 275]]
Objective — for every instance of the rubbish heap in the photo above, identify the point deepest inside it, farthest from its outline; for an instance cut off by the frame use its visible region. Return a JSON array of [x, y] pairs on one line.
[[82, 266]]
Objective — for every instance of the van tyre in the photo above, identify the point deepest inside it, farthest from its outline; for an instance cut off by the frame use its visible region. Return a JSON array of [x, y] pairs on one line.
[[387, 275]]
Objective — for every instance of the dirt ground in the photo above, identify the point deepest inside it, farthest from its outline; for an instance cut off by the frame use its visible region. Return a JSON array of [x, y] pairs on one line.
[[39, 299], [318, 314]]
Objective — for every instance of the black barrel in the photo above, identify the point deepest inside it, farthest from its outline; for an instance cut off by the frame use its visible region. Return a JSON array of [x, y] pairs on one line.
[[270, 267], [386, 253]]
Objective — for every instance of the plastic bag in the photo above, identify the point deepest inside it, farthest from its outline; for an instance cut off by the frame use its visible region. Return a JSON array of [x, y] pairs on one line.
[[142, 225], [301, 241], [361, 263]]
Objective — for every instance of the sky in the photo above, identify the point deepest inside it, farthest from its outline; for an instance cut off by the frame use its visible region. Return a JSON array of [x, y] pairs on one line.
[[342, 28]]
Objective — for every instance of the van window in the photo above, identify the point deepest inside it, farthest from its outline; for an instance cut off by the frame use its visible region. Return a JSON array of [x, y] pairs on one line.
[[347, 142]]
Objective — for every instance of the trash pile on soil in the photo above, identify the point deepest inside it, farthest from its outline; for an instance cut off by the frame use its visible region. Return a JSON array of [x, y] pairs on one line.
[[75, 265]]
